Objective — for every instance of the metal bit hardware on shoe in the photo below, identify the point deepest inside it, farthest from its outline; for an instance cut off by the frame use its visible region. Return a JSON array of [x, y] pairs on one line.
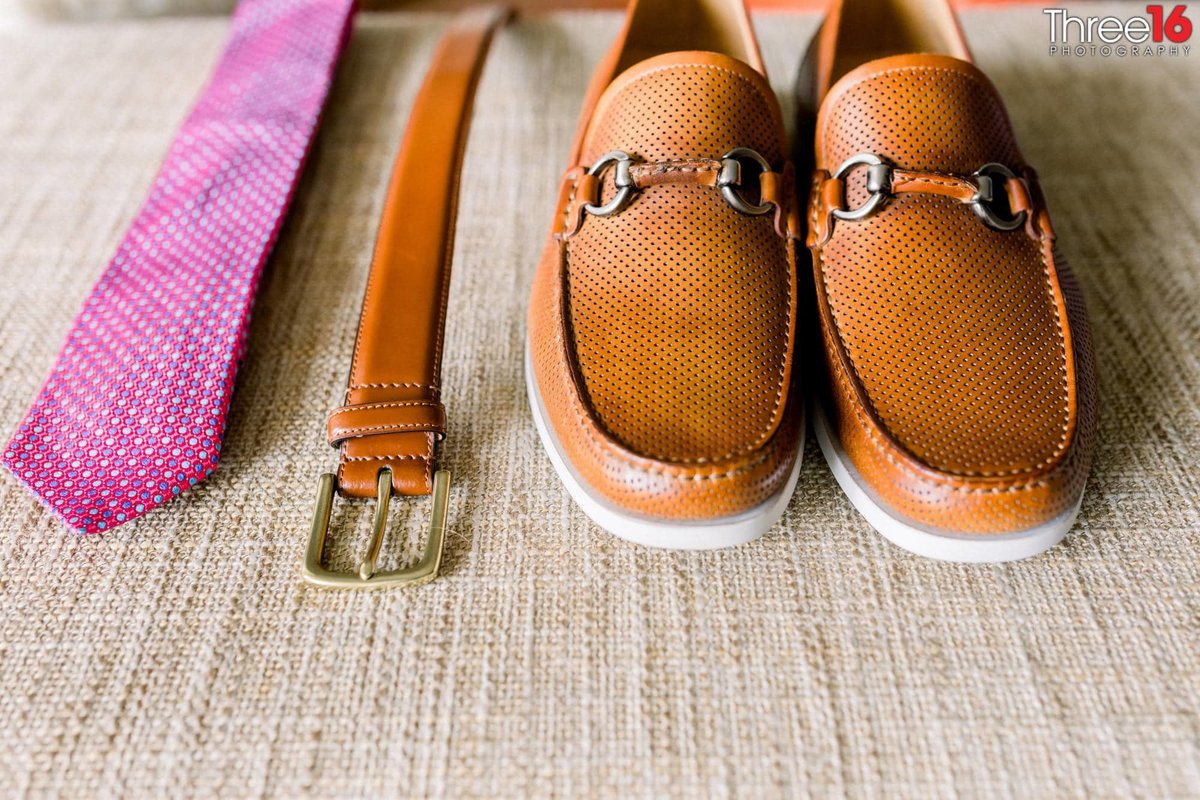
[[730, 180], [982, 190], [987, 198], [879, 184], [621, 178], [727, 174]]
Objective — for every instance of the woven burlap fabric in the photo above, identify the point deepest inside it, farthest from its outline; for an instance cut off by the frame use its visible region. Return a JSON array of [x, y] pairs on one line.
[[181, 656]]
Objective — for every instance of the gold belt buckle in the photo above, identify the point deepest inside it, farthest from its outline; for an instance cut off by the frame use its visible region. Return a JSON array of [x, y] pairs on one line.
[[425, 570]]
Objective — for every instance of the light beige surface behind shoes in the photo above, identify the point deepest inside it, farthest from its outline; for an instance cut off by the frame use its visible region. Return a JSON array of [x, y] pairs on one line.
[[64, 10]]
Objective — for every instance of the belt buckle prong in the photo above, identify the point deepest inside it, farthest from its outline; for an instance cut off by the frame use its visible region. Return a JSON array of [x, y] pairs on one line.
[[425, 570]]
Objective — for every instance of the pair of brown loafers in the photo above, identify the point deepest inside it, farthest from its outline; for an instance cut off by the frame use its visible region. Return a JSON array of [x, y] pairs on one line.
[[674, 334]]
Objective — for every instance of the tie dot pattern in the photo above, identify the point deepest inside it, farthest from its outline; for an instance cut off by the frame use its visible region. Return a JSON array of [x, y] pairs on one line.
[[134, 410]]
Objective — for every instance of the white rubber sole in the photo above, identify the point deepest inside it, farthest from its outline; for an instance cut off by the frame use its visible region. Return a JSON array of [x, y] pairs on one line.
[[944, 546], [672, 534]]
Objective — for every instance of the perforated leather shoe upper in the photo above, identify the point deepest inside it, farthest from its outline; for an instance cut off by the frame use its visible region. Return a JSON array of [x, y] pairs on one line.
[[959, 362], [662, 335]]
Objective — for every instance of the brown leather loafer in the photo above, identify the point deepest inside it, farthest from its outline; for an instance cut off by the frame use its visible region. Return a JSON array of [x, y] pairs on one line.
[[662, 319], [958, 399]]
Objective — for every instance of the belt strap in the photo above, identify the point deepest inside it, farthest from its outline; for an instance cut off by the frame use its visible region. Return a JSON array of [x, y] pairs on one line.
[[388, 429]]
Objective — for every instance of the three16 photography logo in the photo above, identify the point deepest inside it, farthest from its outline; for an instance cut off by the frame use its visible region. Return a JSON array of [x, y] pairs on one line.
[[1158, 33]]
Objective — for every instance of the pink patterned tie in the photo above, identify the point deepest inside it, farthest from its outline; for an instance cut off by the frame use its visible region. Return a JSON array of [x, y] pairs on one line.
[[134, 410]]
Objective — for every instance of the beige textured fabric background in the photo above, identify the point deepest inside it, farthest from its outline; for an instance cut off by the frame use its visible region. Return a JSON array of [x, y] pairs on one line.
[[181, 656]]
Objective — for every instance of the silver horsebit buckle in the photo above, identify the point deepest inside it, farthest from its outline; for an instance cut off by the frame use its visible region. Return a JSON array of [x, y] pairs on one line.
[[987, 179], [729, 181]]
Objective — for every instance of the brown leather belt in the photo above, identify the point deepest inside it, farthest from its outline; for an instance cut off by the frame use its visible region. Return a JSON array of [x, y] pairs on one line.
[[388, 429]]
